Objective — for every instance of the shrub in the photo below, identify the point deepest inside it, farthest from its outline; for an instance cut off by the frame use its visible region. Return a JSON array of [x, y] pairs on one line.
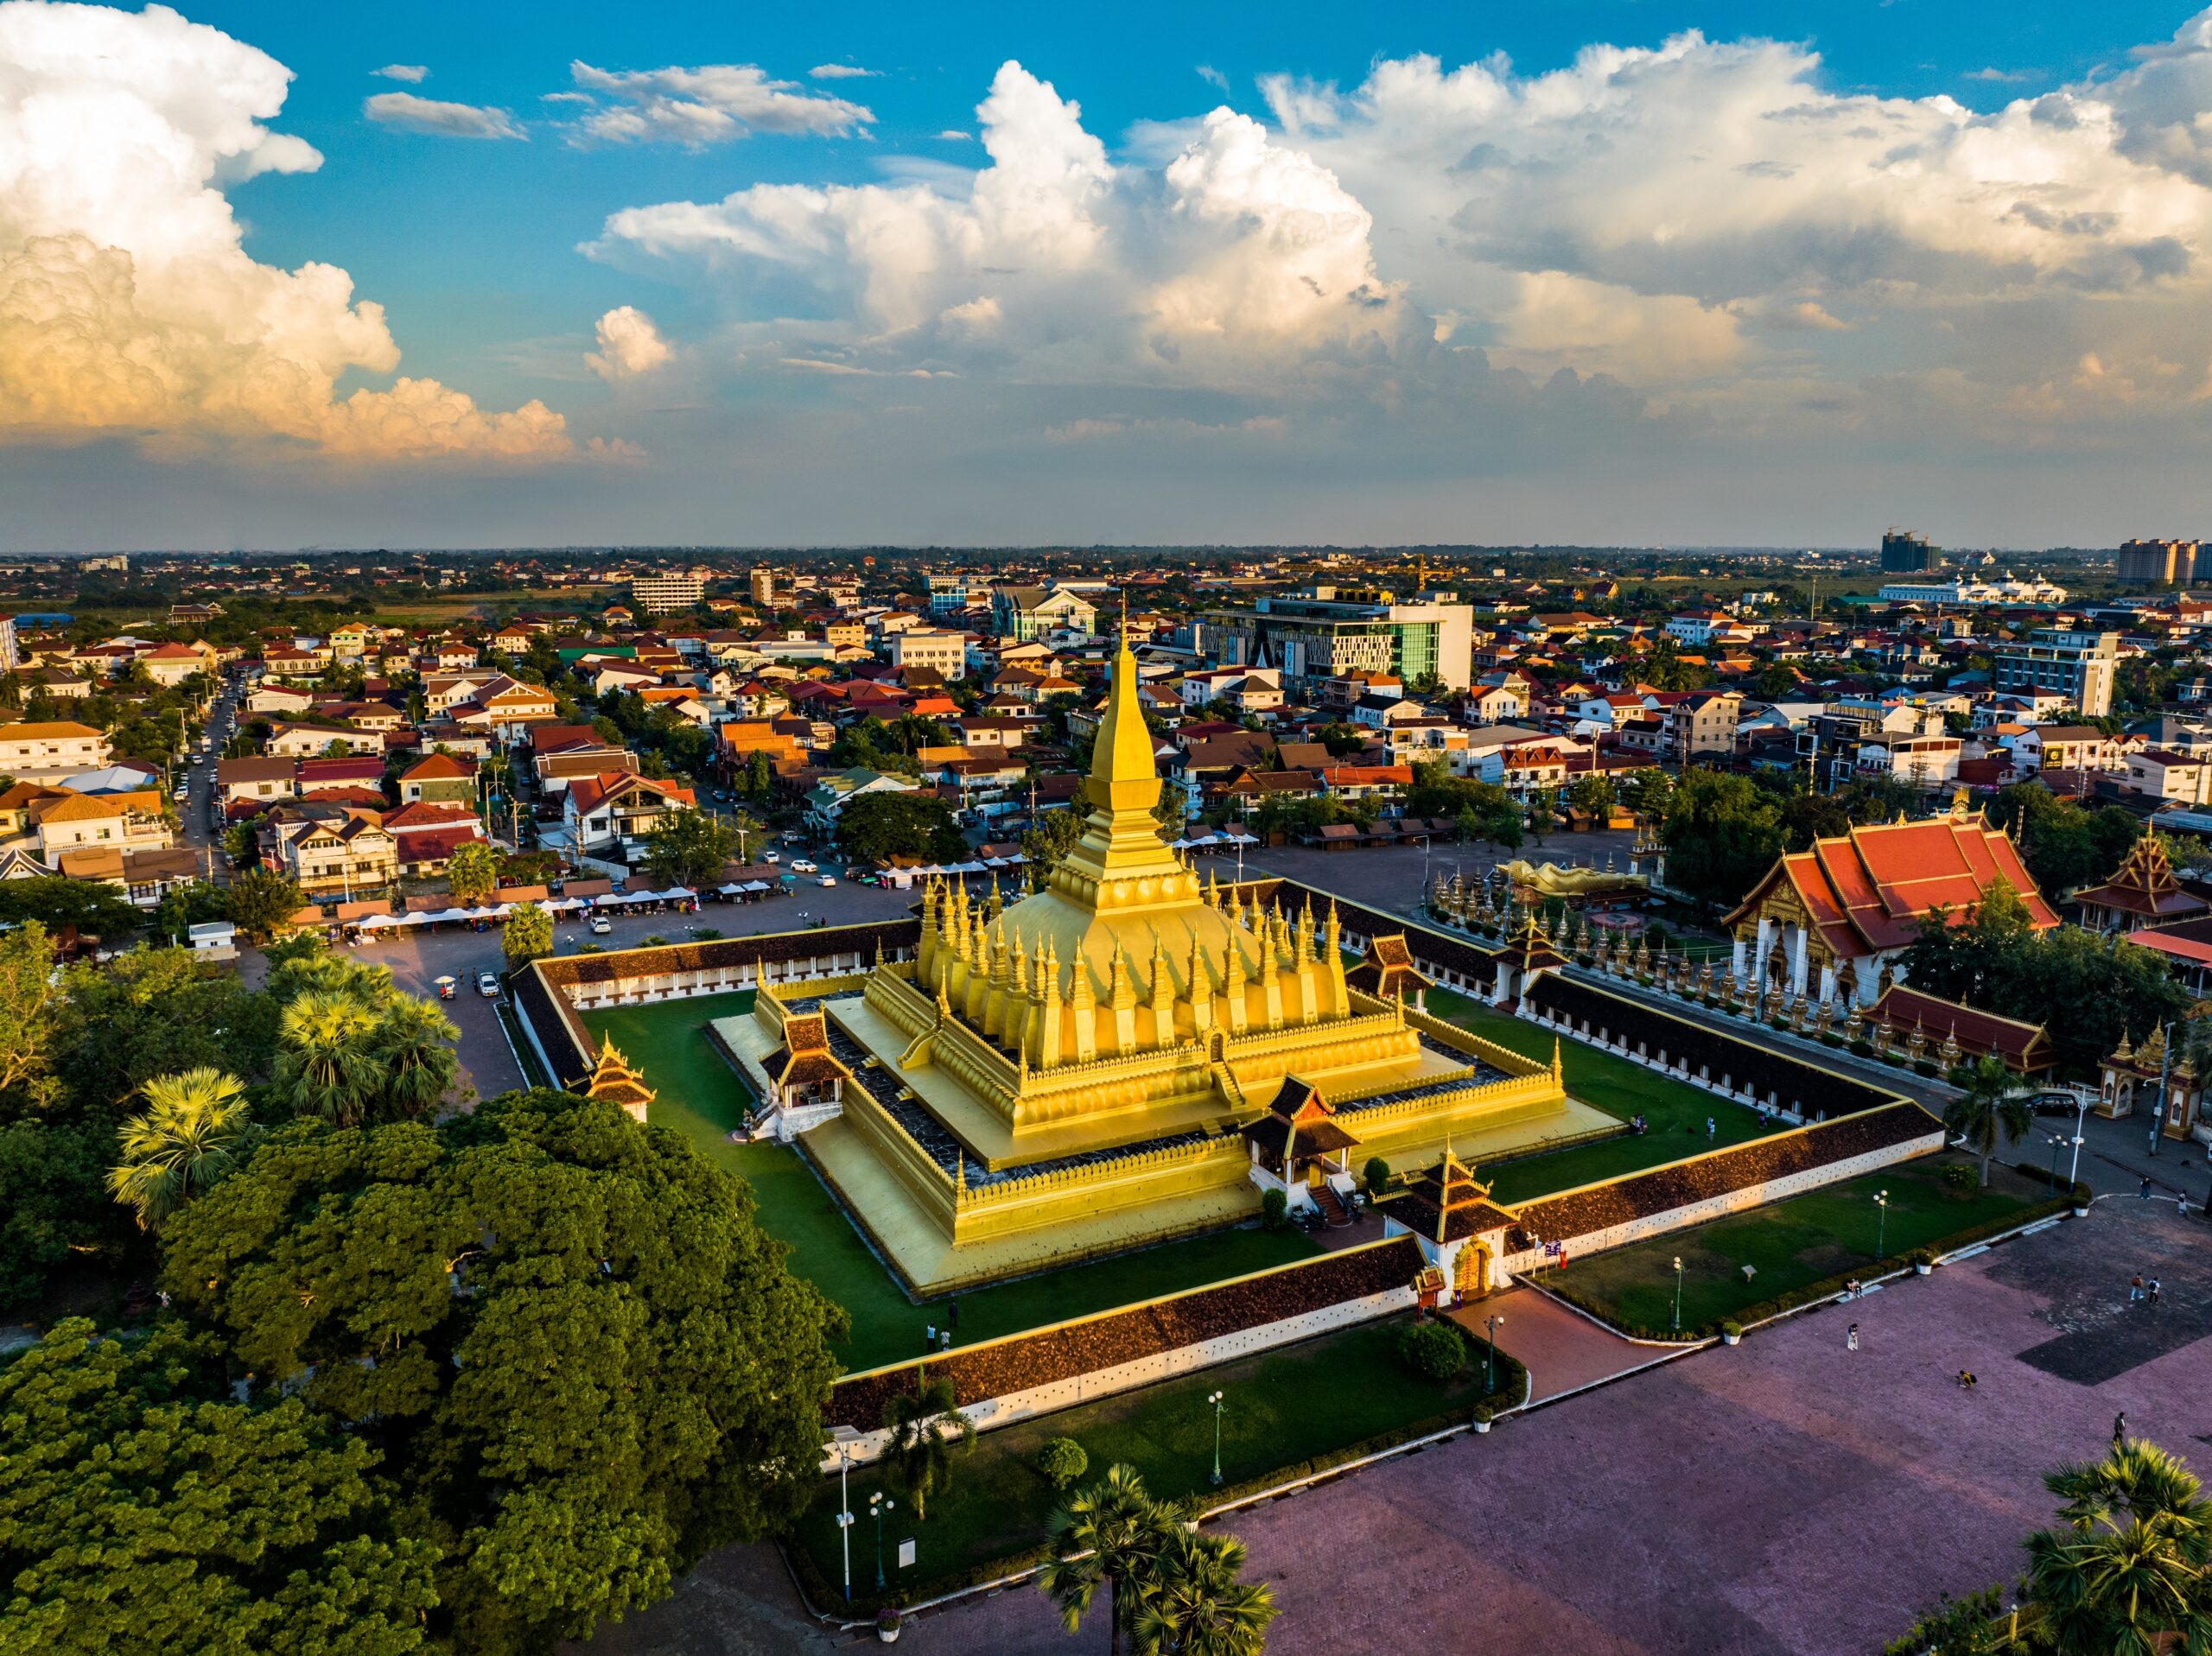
[[1062, 1461], [1275, 1210], [653, 940], [1864, 1048], [707, 934], [1961, 1175], [1732, 1328], [1925, 1066], [1377, 1175], [1434, 1349], [1482, 1416], [1921, 1256]]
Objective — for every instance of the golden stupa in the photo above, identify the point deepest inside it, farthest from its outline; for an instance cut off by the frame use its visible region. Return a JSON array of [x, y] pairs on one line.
[[1070, 1075]]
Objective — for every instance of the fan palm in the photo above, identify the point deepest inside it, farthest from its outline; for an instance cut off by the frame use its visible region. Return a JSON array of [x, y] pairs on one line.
[[413, 1049], [2130, 1564], [1189, 1601], [1983, 1110], [1108, 1535], [324, 1064], [194, 1129], [924, 1426]]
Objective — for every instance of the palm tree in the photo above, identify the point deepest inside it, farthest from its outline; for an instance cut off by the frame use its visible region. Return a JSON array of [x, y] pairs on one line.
[[1983, 1110], [414, 1050], [1108, 1535], [1192, 1604], [324, 1064], [924, 1425], [2130, 1564], [193, 1129]]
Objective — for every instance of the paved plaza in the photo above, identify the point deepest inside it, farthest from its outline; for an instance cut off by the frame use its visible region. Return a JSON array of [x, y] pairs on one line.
[[1784, 1496]]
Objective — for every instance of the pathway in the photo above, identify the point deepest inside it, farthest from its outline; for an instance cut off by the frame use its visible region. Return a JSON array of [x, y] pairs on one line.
[[1562, 1351]]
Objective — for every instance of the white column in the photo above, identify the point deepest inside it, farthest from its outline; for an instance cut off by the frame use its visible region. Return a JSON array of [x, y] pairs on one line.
[[1797, 964], [1827, 983], [1758, 952], [1739, 959]]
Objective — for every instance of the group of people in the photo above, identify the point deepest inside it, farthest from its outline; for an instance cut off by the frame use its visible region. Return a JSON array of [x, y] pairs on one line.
[[2141, 1292]]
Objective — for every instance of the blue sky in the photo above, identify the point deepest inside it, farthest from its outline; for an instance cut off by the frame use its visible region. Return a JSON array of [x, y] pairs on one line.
[[1313, 277]]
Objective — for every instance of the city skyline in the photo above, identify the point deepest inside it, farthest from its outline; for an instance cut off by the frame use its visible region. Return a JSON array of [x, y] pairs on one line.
[[1606, 275]]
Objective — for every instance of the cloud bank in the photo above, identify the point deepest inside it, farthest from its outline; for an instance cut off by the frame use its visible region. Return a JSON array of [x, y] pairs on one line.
[[708, 105], [128, 305]]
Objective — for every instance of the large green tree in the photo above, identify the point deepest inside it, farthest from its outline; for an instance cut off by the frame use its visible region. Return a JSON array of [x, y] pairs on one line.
[[876, 828], [687, 848], [1984, 1111], [262, 900], [143, 1510], [473, 873], [589, 1362], [1723, 832], [2126, 1572], [94, 909], [194, 1130], [1193, 1603]]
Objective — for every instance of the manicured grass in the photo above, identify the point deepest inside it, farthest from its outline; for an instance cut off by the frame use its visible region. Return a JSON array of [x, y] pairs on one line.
[[1283, 1408], [1791, 1244], [1674, 1111], [700, 1096]]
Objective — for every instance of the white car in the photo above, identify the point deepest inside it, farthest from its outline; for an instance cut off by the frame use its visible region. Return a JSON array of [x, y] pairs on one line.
[[801, 865], [770, 856], [487, 983], [601, 925], [827, 879]]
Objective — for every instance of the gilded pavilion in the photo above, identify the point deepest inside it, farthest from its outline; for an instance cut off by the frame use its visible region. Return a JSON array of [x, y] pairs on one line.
[[1071, 1073]]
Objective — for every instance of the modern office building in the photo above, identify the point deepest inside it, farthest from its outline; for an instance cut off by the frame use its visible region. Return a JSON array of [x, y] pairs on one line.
[[1904, 553], [2159, 563], [658, 594], [943, 653], [2078, 665], [1326, 633], [764, 587]]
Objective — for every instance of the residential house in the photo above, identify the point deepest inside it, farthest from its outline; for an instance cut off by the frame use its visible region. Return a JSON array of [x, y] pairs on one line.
[[827, 800], [616, 809], [2167, 774], [341, 775], [255, 778], [144, 876], [117, 821], [439, 779], [425, 836], [1705, 724], [2065, 747], [170, 665], [328, 848], [562, 769], [49, 751], [281, 699]]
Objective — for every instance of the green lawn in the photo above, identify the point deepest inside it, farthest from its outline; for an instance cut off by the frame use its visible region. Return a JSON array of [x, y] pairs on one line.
[[700, 1096], [1792, 1244], [1675, 1111], [1283, 1408]]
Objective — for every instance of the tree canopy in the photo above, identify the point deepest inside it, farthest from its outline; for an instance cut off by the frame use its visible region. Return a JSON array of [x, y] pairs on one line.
[[687, 848], [1723, 832], [876, 828], [587, 1362]]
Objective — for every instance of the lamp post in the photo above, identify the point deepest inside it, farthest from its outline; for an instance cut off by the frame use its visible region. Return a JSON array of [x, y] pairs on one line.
[[877, 1506], [1881, 1224], [1215, 1400], [2081, 1119], [1490, 1351], [1678, 1293], [2056, 1139], [842, 1438]]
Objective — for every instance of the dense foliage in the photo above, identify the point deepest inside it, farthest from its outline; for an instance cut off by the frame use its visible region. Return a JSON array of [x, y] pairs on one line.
[[587, 1364], [2088, 990], [1723, 832], [687, 848], [909, 827], [2065, 844]]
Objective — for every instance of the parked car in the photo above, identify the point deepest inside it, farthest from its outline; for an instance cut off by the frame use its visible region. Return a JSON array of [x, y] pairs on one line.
[[770, 856], [487, 983], [601, 925]]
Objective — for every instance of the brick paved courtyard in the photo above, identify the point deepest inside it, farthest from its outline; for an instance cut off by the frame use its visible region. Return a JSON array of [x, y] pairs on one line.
[[1782, 1497]]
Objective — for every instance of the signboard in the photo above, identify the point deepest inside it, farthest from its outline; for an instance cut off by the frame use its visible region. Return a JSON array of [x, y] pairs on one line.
[[905, 1555]]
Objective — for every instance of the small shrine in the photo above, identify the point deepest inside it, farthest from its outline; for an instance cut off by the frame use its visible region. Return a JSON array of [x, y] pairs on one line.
[[1449, 1214], [1388, 973], [613, 1082], [1521, 960], [1961, 1030], [1297, 1148], [2142, 891], [803, 1071], [2132, 1075]]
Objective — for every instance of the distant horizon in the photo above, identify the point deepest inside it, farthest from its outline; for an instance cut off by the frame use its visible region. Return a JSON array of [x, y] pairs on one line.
[[1226, 549], [1705, 274]]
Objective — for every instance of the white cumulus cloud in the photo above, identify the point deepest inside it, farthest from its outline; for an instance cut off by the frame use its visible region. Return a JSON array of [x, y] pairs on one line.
[[413, 73], [128, 304], [711, 105], [842, 71], [439, 118], [629, 344]]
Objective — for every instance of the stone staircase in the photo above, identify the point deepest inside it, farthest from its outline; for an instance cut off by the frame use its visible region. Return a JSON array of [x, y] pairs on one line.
[[1333, 1211]]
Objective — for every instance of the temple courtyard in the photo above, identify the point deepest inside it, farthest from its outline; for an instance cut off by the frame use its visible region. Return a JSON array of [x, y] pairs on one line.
[[1783, 1496]]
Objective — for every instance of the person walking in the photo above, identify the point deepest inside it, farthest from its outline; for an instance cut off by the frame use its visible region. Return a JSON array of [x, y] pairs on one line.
[[1851, 1339], [1712, 1128], [2145, 1191], [952, 1312], [2135, 1289], [2152, 1292], [928, 1338], [2119, 1428]]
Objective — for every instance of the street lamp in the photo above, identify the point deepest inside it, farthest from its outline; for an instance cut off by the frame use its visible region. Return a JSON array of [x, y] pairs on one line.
[[1678, 1293], [879, 1504], [1490, 1351], [2081, 1119], [1881, 1224], [2057, 1140], [842, 1438], [1215, 1400]]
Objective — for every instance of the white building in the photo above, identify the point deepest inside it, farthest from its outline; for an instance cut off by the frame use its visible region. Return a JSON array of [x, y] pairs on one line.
[[1973, 593], [658, 594]]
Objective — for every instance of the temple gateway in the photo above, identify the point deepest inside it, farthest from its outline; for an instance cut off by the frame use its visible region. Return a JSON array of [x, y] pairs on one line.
[[1076, 1073]]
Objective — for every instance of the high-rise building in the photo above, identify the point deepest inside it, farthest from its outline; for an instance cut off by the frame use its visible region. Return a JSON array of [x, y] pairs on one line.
[[764, 587], [2159, 563], [1324, 633], [2078, 665], [657, 594], [1904, 553]]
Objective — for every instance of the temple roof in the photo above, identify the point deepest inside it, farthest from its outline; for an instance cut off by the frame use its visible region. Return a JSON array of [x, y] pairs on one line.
[[1300, 1122], [1867, 892], [614, 1081], [2026, 1046], [2144, 885], [1447, 1203], [1389, 970], [804, 1058]]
